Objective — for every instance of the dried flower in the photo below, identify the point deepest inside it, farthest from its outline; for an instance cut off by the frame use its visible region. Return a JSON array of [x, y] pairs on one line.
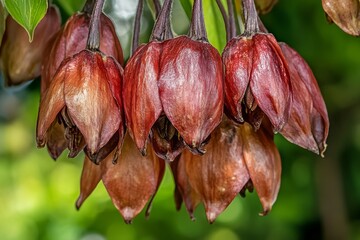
[[257, 80], [308, 125]]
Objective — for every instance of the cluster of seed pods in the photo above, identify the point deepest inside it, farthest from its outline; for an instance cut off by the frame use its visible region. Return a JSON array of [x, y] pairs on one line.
[[177, 102]]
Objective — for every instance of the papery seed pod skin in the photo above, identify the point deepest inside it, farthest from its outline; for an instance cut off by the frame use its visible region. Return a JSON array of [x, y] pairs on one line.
[[90, 177], [263, 163], [20, 60], [133, 179], [345, 14], [308, 125], [265, 6], [191, 88], [142, 105], [220, 174], [184, 192], [255, 69]]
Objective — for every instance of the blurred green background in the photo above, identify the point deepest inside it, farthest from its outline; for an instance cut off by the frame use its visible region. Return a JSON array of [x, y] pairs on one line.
[[318, 199]]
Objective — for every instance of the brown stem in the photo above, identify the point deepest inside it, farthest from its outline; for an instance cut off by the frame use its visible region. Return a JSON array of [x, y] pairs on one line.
[[251, 17], [232, 26], [136, 33], [225, 18], [88, 6], [162, 28], [197, 26], [93, 41], [157, 7]]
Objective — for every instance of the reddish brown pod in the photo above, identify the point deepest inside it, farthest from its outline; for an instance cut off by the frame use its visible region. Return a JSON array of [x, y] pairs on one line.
[[174, 87], [257, 81], [131, 181], [236, 158], [308, 124], [71, 39], [345, 14], [20, 60], [87, 86]]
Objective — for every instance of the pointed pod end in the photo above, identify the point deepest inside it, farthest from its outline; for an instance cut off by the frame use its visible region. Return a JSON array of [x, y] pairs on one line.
[[79, 202], [40, 142], [128, 214], [264, 213]]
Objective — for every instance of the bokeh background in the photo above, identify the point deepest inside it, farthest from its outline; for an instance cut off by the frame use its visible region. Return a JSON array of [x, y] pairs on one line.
[[318, 199]]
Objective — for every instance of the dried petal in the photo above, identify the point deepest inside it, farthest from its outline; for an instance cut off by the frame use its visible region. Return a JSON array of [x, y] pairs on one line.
[[191, 88], [263, 163], [133, 179], [345, 14], [89, 100], [317, 120], [237, 58], [142, 104], [183, 190], [56, 143], [51, 104], [270, 80], [165, 140], [90, 177], [220, 174]]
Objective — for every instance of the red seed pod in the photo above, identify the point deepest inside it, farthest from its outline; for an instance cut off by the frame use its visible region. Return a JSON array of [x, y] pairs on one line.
[[256, 76], [71, 39], [308, 125], [88, 87], [191, 88]]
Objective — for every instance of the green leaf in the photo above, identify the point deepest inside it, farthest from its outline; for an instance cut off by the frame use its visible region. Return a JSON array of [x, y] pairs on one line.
[[70, 6], [28, 13], [215, 26], [3, 15], [187, 6]]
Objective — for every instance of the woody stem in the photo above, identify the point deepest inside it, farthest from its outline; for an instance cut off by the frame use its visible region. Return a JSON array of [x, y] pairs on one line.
[[197, 26], [93, 41], [136, 34]]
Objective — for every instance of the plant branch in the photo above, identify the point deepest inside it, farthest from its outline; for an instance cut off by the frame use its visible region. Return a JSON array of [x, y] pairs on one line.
[[197, 26], [162, 28], [137, 25], [225, 18], [251, 17], [93, 41], [232, 26]]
